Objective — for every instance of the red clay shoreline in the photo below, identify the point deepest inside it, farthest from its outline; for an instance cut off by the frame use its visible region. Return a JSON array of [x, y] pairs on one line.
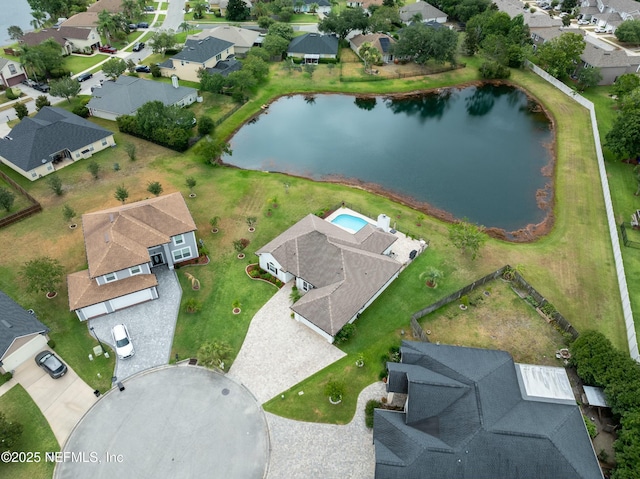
[[545, 197]]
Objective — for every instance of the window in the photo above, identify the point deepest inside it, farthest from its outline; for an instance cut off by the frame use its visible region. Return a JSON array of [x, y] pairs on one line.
[[110, 277], [306, 286], [104, 142], [12, 69], [135, 270], [180, 254], [178, 240], [271, 268], [219, 57]]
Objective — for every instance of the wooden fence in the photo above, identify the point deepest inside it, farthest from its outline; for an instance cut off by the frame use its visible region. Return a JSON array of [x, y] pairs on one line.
[[24, 213], [518, 281]]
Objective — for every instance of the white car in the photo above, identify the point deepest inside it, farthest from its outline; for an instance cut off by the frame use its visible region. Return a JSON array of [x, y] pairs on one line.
[[583, 22], [122, 341], [600, 30]]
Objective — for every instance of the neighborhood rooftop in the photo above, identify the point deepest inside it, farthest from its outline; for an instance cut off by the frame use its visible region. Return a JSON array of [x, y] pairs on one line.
[[16, 323], [202, 50]]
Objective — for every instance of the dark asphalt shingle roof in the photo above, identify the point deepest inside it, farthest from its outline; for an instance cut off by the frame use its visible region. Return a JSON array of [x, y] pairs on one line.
[[225, 67], [15, 322], [200, 51], [127, 94], [314, 43], [51, 130], [466, 418]]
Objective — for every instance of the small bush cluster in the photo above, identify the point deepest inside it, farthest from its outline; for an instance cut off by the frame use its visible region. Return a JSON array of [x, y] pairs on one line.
[[347, 331], [494, 70], [371, 405]]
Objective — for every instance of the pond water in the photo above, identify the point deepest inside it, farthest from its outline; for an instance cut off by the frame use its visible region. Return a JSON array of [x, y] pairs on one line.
[[476, 153]]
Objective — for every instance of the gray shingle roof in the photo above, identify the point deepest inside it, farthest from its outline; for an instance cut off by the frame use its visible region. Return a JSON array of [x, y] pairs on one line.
[[225, 67], [346, 270], [127, 94], [51, 130], [200, 51], [466, 418], [423, 8], [314, 43], [15, 323], [597, 57]]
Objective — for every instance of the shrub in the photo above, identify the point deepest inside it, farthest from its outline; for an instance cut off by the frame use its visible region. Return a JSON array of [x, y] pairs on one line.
[[464, 300], [371, 405], [347, 331], [11, 95], [548, 309], [334, 389], [192, 305], [295, 294], [55, 184], [494, 70], [254, 273], [591, 427], [80, 110], [51, 343]]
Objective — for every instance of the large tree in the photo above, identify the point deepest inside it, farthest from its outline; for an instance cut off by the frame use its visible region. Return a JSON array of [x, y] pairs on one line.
[[15, 32], [624, 85], [65, 87], [383, 19], [467, 237], [624, 137], [421, 44], [370, 55], [237, 11], [39, 60], [589, 77], [629, 32], [343, 23], [43, 274], [114, 67], [283, 30], [275, 45], [559, 56], [162, 41]]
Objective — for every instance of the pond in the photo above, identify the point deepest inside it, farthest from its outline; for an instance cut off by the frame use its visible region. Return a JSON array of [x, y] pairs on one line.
[[478, 152]]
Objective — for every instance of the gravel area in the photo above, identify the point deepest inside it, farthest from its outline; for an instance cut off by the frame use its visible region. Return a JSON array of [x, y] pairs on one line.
[[304, 449], [279, 352]]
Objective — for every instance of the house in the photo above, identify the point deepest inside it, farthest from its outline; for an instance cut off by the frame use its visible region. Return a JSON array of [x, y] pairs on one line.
[[312, 6], [242, 38], [52, 139], [474, 413], [11, 72], [125, 95], [82, 19], [380, 41], [340, 273], [364, 4], [123, 245], [539, 18], [70, 39], [22, 336], [111, 6], [311, 47], [427, 12], [197, 55], [612, 63], [611, 60], [609, 14]]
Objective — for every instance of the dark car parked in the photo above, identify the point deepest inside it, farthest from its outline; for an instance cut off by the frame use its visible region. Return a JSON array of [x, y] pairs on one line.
[[138, 46], [143, 25], [51, 364], [133, 27], [143, 69], [43, 87], [85, 77]]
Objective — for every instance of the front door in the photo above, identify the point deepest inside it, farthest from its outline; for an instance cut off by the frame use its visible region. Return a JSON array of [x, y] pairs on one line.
[[157, 259]]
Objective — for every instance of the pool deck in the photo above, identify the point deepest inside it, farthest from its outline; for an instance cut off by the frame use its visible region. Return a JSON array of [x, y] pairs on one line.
[[401, 248]]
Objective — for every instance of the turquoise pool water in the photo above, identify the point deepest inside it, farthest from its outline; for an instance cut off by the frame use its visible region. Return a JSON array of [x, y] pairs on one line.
[[352, 223]]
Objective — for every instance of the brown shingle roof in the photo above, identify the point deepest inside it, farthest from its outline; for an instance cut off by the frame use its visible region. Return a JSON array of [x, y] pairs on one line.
[[60, 35], [118, 238], [346, 270], [84, 19], [112, 6], [84, 291], [374, 40]]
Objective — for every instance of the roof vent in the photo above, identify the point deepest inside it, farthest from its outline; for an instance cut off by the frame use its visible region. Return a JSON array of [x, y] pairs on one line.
[[6, 323], [8, 138], [200, 42]]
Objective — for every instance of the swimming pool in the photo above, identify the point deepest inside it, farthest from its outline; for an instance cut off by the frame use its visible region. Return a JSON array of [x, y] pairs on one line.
[[351, 223]]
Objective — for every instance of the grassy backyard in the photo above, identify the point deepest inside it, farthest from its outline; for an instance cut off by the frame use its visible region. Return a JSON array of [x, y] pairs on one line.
[[572, 266], [36, 437]]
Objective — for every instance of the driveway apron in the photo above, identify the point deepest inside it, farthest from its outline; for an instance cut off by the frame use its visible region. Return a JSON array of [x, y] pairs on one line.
[[62, 401], [279, 352]]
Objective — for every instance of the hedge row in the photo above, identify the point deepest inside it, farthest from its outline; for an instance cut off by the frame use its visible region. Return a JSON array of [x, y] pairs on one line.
[[600, 364]]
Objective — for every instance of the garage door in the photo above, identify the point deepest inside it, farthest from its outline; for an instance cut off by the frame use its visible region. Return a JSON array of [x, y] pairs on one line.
[[24, 353], [131, 299], [95, 310]]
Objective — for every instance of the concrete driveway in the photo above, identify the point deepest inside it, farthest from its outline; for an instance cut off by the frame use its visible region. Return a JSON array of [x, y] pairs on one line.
[[279, 352], [62, 401], [151, 326]]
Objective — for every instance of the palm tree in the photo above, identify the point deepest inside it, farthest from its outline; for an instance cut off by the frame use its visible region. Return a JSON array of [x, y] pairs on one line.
[[39, 18], [433, 275], [106, 25], [198, 9], [185, 27], [369, 55]]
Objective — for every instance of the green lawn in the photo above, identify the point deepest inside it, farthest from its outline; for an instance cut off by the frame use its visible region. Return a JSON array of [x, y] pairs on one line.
[[79, 63], [36, 437], [580, 280]]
